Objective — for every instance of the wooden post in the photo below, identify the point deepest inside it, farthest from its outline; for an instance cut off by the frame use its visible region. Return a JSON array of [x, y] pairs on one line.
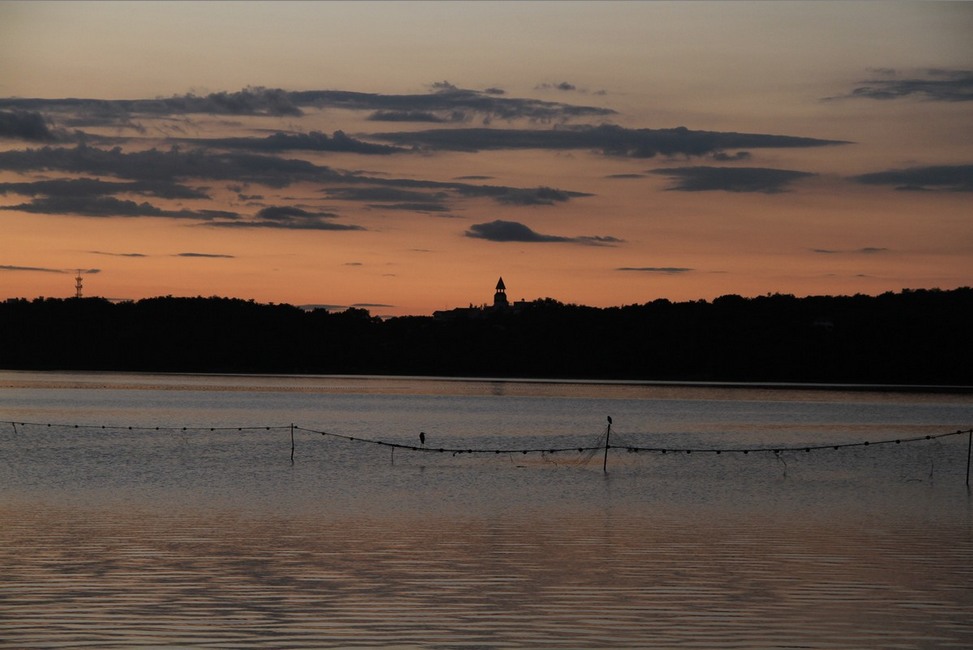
[[969, 453], [608, 433], [292, 443]]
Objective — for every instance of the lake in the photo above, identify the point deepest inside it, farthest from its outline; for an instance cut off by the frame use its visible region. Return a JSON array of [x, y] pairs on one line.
[[155, 511]]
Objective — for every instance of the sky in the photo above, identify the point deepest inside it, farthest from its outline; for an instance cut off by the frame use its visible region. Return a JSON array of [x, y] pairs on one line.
[[400, 157]]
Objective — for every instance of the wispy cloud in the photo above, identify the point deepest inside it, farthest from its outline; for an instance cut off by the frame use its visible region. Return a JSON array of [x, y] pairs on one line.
[[93, 187], [446, 103], [934, 84], [608, 139], [109, 206], [168, 166], [518, 196], [666, 270], [867, 250], [206, 255], [41, 269], [385, 194], [118, 254], [731, 179], [249, 101], [954, 178], [312, 141], [288, 218]]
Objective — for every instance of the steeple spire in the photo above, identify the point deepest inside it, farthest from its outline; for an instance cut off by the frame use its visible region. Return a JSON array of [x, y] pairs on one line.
[[500, 297]]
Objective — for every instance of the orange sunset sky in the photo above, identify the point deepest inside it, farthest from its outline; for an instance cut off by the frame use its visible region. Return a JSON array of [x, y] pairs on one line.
[[402, 156]]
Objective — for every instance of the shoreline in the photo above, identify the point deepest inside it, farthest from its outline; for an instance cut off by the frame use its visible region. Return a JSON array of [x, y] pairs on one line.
[[569, 381]]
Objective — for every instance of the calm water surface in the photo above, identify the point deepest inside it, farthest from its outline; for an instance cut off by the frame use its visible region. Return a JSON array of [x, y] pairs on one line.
[[212, 537]]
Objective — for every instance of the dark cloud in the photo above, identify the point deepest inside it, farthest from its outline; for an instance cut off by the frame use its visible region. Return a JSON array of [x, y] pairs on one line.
[[108, 206], [722, 156], [405, 116], [119, 113], [608, 139], [446, 103], [118, 254], [410, 190], [41, 269], [412, 207], [162, 167], [166, 166], [216, 214], [289, 213], [625, 176], [119, 120], [668, 270], [537, 196], [867, 250], [313, 141], [520, 196], [509, 231], [25, 125], [563, 86], [954, 178], [392, 194], [97, 187], [288, 218], [249, 101], [451, 104], [605, 240], [731, 179], [393, 198], [512, 231], [38, 269], [206, 255], [934, 84]]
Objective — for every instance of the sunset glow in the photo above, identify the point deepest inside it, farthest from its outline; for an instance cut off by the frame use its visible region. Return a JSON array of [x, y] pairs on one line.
[[400, 157]]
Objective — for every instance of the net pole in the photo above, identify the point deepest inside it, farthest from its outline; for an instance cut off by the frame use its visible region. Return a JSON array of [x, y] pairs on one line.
[[608, 433], [292, 443], [969, 454]]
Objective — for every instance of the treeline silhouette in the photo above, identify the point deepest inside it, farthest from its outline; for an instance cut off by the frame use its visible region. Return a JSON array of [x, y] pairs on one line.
[[912, 337]]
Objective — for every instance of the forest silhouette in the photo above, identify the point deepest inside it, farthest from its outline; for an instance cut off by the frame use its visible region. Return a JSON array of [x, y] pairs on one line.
[[913, 337]]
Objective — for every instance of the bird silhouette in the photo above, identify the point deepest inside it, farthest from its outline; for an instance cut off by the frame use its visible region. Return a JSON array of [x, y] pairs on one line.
[[422, 437]]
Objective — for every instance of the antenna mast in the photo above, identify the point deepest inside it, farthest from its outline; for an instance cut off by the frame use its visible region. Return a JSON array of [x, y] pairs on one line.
[[77, 284]]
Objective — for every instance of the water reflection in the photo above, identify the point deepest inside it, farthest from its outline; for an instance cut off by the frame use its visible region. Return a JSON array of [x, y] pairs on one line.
[[133, 577], [126, 538]]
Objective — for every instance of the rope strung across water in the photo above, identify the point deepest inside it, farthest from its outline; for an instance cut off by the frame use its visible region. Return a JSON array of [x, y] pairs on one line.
[[633, 448], [777, 449], [141, 428]]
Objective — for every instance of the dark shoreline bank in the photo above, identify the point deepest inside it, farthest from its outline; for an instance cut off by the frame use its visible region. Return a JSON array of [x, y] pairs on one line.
[[730, 385], [919, 340]]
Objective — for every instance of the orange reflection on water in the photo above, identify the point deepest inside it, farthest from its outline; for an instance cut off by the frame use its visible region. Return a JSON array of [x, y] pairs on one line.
[[152, 574]]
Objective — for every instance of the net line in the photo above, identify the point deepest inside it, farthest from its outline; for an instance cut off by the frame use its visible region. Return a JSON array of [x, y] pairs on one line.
[[608, 439]]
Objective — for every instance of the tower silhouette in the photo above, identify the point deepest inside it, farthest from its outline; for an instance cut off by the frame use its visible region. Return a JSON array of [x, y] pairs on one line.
[[500, 297], [77, 284]]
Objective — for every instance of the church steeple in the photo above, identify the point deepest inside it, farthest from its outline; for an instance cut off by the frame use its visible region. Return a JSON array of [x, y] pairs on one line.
[[500, 297]]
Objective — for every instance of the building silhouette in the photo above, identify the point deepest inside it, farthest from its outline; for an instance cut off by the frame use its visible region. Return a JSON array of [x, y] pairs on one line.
[[500, 305], [500, 297]]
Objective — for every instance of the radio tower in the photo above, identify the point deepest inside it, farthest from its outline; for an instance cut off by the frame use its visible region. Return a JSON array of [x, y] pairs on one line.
[[77, 284]]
